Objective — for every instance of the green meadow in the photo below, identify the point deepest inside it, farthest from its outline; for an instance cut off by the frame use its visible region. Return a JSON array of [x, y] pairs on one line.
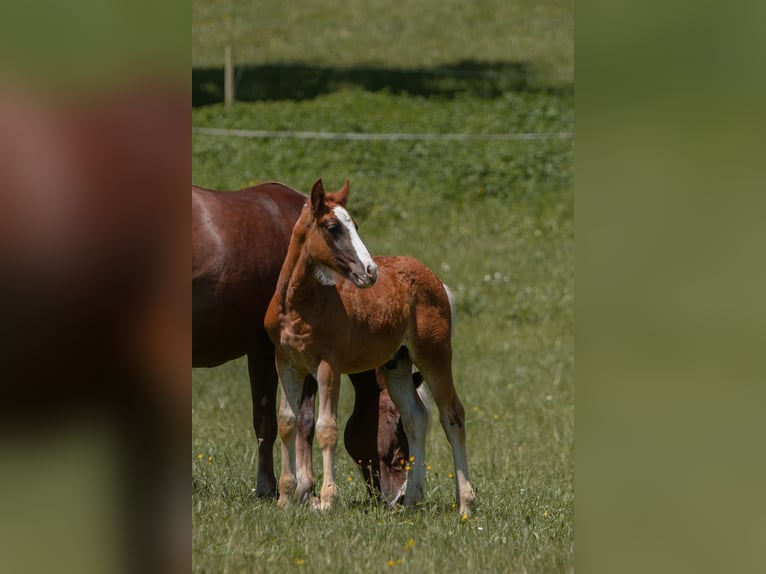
[[493, 218]]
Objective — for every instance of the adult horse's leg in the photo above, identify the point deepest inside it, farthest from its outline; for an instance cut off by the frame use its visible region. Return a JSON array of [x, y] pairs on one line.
[[374, 436], [328, 380], [414, 417], [291, 383], [263, 391], [305, 438], [361, 434]]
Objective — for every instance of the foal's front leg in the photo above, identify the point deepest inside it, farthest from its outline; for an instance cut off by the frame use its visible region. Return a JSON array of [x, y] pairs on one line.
[[291, 383], [328, 379]]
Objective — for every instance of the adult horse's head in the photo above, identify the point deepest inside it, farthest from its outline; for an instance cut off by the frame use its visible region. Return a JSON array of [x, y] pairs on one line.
[[333, 241]]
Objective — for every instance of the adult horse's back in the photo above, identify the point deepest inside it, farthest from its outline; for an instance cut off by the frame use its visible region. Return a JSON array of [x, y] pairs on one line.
[[236, 256]]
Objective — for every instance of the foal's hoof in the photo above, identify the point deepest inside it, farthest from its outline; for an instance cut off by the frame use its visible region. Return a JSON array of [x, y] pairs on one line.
[[327, 505], [328, 497], [468, 505]]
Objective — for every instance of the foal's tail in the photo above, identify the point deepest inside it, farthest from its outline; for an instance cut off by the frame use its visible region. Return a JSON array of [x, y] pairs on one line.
[[451, 299], [422, 390]]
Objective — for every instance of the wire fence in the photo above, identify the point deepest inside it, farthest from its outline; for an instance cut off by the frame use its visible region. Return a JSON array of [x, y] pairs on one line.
[[359, 136]]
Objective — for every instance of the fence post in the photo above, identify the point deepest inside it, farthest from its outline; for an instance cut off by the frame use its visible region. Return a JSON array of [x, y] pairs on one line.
[[228, 77]]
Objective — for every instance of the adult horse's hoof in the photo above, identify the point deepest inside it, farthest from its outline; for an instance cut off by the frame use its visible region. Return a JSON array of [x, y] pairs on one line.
[[266, 493]]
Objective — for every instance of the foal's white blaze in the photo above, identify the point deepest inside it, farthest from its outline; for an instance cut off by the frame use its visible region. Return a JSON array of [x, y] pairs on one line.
[[359, 248]]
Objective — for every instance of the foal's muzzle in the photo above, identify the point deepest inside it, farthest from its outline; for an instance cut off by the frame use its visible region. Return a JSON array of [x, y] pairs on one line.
[[366, 279]]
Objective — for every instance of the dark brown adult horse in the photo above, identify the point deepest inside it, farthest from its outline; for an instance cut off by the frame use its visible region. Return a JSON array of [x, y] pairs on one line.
[[337, 310], [239, 241]]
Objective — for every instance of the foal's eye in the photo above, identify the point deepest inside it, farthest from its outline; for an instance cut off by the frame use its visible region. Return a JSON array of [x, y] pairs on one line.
[[333, 228]]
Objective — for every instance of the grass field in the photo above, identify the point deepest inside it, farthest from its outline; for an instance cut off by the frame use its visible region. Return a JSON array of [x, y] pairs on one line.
[[493, 218]]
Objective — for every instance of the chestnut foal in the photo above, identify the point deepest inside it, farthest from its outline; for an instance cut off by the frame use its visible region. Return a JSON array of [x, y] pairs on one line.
[[336, 310]]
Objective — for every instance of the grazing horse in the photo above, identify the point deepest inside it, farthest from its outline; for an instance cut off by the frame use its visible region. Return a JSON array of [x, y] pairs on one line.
[[239, 241], [337, 310], [386, 472]]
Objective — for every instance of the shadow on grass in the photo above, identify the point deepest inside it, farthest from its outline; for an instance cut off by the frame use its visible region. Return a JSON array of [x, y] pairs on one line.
[[301, 81]]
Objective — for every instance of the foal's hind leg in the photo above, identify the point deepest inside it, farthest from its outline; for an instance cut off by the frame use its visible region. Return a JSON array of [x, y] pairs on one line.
[[304, 439], [435, 364], [414, 418]]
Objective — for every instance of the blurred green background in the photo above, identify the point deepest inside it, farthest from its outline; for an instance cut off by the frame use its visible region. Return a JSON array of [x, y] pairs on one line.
[[670, 285]]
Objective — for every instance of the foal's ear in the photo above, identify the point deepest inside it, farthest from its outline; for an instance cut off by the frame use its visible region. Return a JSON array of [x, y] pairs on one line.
[[317, 199], [342, 195]]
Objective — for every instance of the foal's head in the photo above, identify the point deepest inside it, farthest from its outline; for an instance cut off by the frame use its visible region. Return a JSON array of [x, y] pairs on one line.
[[333, 242]]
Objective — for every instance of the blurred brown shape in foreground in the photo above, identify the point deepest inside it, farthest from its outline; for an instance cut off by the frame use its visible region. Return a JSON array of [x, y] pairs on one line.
[[94, 311]]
